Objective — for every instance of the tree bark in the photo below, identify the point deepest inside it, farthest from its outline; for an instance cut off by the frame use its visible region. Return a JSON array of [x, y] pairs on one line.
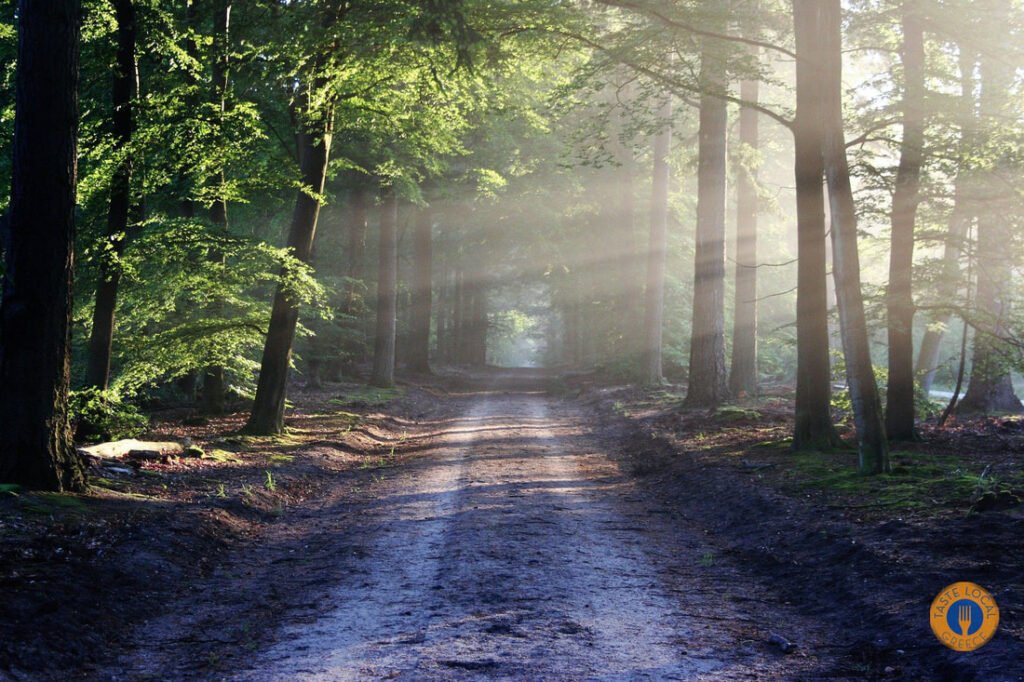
[[958, 225], [654, 295], [743, 372], [213, 377], [38, 241], [813, 429], [867, 405], [313, 139], [422, 294], [101, 338], [899, 408], [387, 291], [708, 375]]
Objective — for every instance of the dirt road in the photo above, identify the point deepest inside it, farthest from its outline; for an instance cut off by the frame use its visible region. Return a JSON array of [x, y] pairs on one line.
[[508, 545]]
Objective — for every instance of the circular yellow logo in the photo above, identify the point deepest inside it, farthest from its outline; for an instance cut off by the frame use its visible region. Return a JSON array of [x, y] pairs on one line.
[[964, 616]]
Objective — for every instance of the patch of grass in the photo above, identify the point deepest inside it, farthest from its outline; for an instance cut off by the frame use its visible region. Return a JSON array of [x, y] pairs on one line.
[[270, 483], [282, 459], [10, 489]]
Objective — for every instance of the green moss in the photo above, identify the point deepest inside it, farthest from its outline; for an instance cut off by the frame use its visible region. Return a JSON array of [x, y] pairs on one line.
[[368, 395], [46, 504], [731, 413], [917, 480], [221, 456], [282, 458]]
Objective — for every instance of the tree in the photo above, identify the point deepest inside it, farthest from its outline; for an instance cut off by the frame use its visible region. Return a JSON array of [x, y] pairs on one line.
[[213, 375], [743, 370], [899, 409], [957, 226], [867, 405], [422, 295], [708, 384], [315, 121], [991, 388], [123, 89], [38, 240], [708, 377], [387, 291], [813, 428], [654, 294]]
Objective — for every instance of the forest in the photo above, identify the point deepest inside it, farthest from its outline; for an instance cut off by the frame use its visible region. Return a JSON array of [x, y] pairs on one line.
[[511, 339]]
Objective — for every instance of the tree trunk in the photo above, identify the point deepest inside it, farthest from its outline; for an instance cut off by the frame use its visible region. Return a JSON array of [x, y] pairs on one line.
[[387, 292], [708, 376], [959, 223], [478, 338], [990, 388], [899, 408], [422, 294], [743, 372], [313, 139], [458, 318], [813, 429], [38, 240], [101, 339], [867, 405], [654, 294], [213, 376]]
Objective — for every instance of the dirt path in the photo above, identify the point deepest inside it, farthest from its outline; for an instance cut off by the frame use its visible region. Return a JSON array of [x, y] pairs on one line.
[[508, 546]]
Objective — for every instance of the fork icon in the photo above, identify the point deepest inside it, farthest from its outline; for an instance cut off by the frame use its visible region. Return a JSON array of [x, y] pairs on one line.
[[964, 618]]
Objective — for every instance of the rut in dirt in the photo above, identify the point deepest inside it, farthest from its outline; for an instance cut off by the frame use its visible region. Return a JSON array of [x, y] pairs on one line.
[[512, 548]]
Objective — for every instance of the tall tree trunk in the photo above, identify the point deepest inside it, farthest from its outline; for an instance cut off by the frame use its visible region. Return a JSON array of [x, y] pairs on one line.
[[867, 405], [313, 138], [708, 380], [422, 294], [654, 295], [387, 292], [38, 241], [213, 376], [478, 337], [743, 372], [899, 409], [990, 388], [813, 429], [101, 339], [958, 225], [458, 315]]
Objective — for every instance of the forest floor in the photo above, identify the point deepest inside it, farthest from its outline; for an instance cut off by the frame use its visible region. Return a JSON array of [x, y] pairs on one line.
[[508, 525]]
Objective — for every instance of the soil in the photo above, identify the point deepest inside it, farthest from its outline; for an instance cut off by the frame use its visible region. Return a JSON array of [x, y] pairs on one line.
[[499, 526]]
